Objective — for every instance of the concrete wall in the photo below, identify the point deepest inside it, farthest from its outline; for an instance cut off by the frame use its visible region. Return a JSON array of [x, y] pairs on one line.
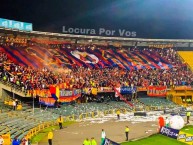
[[7, 91]]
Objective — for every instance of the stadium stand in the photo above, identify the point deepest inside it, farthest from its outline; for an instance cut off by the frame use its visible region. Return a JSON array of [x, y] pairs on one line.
[[79, 109], [146, 70], [159, 103], [33, 65], [19, 123]]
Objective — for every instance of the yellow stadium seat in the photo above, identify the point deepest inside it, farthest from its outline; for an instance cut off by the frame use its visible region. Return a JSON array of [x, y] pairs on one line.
[[187, 56]]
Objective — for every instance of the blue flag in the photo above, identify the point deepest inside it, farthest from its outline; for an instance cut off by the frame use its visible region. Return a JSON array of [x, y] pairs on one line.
[[109, 142]]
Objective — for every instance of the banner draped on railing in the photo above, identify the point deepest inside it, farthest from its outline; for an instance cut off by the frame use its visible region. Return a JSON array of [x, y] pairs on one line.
[[47, 101], [39, 93], [128, 90], [123, 90], [51, 101], [156, 91], [69, 95], [60, 95]]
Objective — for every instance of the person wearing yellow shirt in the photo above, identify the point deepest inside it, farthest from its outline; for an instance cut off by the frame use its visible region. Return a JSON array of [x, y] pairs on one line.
[[188, 113], [118, 114], [93, 141], [50, 137], [86, 142], [60, 121], [127, 133]]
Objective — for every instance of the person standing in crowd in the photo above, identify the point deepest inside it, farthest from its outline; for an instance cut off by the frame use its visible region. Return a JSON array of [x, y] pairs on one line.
[[118, 114], [86, 142], [188, 113], [103, 136], [127, 133], [1, 140], [50, 137], [167, 122], [16, 141], [60, 121], [93, 141], [14, 105]]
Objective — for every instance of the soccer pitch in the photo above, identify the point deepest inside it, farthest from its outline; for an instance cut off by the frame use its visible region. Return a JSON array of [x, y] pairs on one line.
[[154, 140]]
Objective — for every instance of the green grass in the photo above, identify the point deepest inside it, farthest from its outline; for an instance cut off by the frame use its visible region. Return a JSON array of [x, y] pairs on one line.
[[156, 139], [42, 134], [188, 129]]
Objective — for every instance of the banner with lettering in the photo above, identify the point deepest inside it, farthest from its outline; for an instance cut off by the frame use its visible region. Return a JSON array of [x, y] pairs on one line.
[[50, 101], [109, 142], [185, 138], [156, 91], [128, 90], [170, 132], [99, 90], [69, 95], [105, 89], [60, 95]]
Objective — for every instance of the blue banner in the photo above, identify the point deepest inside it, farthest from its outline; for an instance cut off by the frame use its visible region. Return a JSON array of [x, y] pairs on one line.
[[15, 25], [128, 90], [170, 132], [109, 142]]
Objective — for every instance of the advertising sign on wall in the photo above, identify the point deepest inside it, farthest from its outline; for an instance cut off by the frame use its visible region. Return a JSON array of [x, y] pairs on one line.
[[11, 24], [185, 137]]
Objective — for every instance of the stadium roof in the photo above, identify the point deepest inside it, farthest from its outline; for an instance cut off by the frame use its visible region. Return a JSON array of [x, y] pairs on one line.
[[79, 37]]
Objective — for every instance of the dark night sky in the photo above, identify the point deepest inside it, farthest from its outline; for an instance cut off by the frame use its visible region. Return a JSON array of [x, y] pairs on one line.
[[149, 18]]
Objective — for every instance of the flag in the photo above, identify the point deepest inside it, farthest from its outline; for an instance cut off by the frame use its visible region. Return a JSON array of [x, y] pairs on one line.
[[55, 92], [109, 142]]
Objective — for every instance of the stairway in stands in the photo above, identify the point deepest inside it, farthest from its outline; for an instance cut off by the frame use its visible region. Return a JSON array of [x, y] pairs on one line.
[[187, 56]]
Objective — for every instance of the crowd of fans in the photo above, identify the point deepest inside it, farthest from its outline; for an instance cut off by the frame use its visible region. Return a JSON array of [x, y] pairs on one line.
[[29, 78]]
